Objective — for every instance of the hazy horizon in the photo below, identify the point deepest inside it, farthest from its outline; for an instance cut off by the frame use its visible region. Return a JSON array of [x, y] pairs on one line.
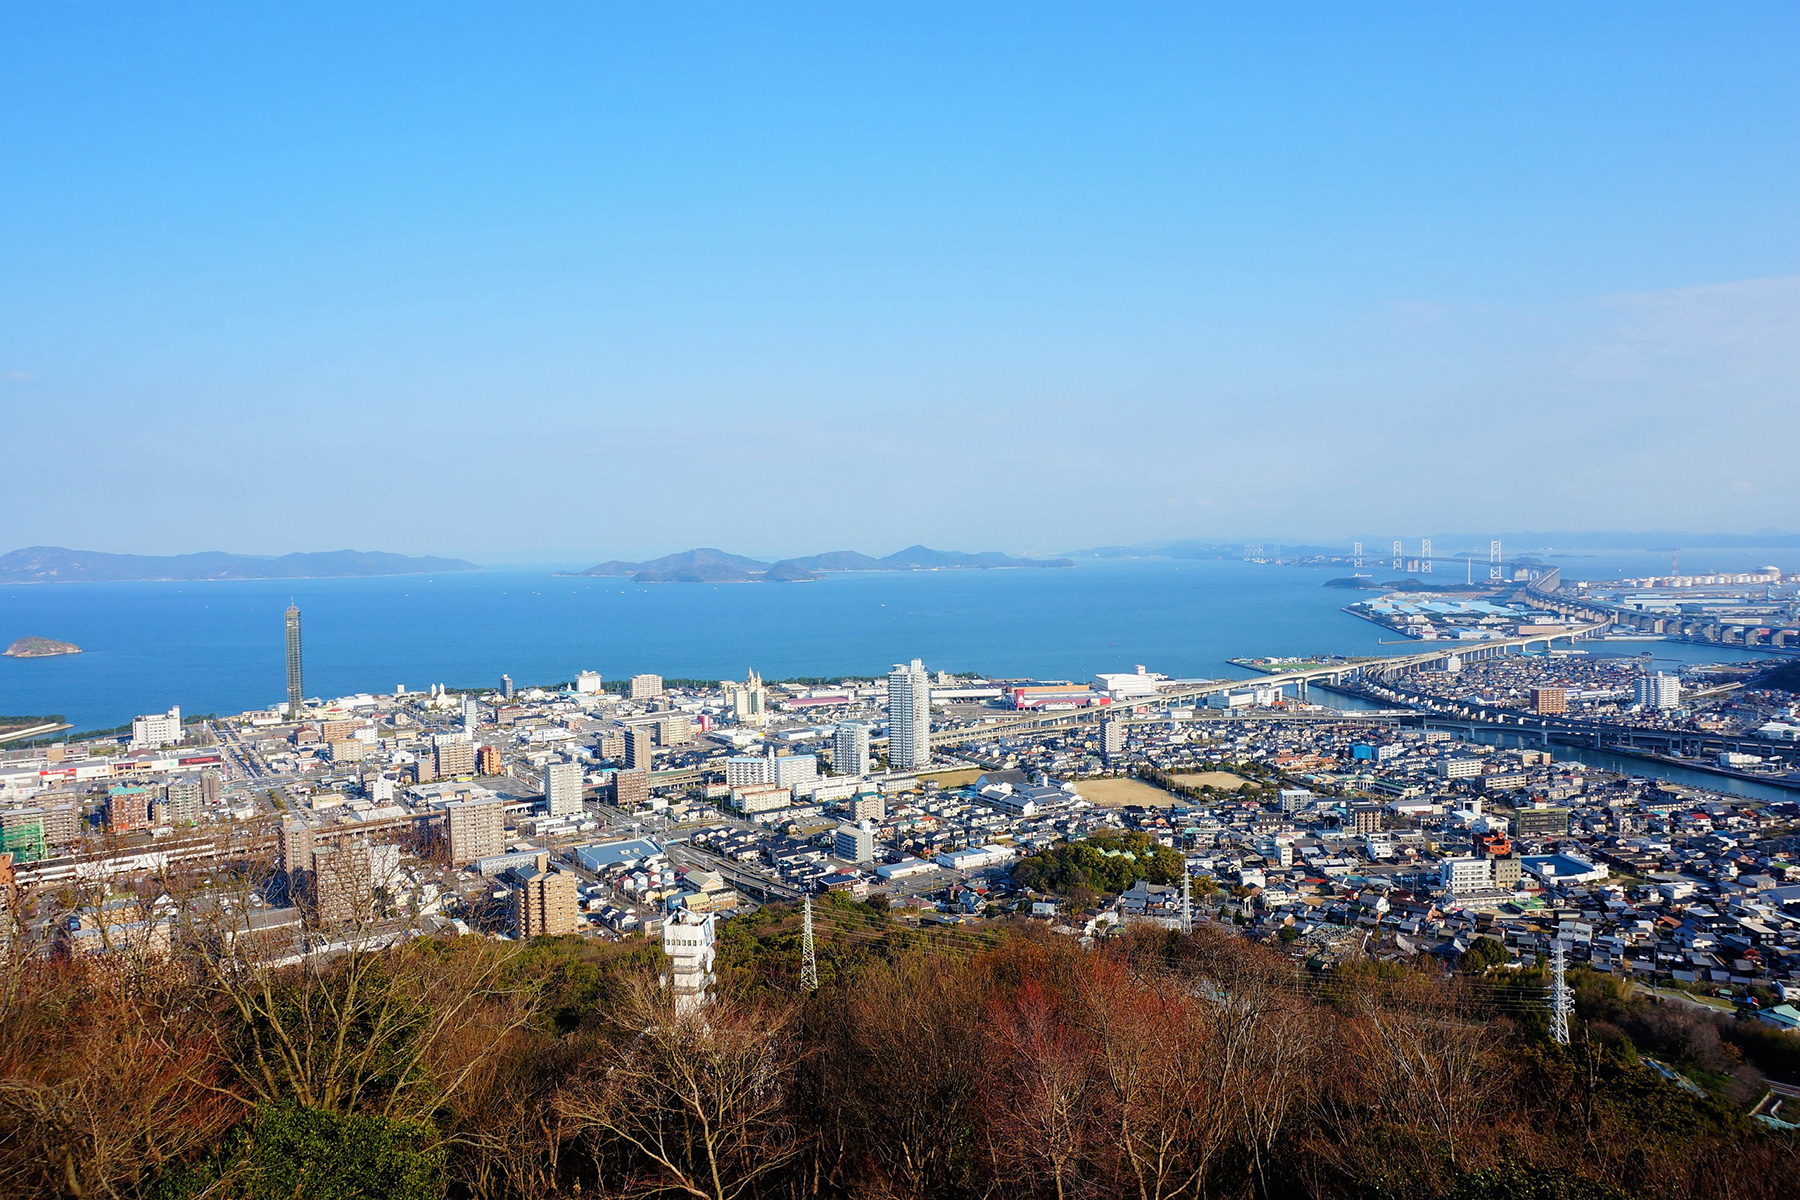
[[1029, 278]]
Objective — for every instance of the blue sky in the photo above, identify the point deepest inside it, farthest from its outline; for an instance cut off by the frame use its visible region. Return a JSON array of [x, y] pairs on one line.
[[570, 281]]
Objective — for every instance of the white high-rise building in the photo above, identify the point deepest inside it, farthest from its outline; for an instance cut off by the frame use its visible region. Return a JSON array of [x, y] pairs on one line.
[[562, 789], [157, 730], [1661, 690], [855, 843], [747, 770], [909, 717], [748, 700], [786, 770], [471, 714], [850, 749]]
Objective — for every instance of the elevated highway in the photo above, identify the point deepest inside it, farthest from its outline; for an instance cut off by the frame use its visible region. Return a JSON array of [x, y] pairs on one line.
[[1332, 673]]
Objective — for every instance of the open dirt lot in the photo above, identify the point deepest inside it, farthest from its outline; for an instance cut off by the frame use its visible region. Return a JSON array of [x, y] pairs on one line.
[[1218, 779], [1116, 793], [950, 779]]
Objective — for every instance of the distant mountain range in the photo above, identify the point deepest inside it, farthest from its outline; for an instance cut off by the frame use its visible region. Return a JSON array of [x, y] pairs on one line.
[[55, 564], [707, 565]]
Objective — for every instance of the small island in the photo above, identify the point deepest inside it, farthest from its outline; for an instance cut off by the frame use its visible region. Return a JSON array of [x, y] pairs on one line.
[[37, 647]]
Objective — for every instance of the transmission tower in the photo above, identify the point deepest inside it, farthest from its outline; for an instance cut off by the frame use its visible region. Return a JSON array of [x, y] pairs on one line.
[[1562, 1004], [1425, 556], [809, 962], [1359, 556], [1187, 904], [1494, 561], [1399, 556]]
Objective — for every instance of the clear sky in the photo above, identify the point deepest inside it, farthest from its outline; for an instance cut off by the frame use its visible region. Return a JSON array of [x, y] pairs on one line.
[[545, 281]]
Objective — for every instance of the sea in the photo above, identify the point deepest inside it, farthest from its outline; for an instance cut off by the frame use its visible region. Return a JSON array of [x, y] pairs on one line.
[[218, 647]]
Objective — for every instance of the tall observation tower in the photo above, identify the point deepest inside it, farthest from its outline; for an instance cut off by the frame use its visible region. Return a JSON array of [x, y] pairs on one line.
[[293, 662]]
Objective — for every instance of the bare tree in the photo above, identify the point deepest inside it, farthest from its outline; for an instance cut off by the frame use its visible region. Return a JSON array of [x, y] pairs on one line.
[[693, 1104], [1039, 1093]]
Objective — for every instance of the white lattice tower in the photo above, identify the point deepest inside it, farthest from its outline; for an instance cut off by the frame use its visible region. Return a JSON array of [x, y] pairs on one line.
[[1187, 903], [1359, 556], [1399, 556], [1425, 556], [1562, 1004], [809, 962], [1494, 560]]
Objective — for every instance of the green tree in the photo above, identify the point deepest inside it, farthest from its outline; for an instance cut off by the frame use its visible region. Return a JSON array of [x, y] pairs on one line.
[[1483, 953], [288, 1152]]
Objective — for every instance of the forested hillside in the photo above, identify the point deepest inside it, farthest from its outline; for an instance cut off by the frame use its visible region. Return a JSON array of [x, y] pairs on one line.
[[930, 1063]]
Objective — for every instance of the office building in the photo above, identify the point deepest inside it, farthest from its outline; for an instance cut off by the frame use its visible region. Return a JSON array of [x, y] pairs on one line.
[[1112, 738], [127, 807], [850, 749], [544, 904], [640, 747], [473, 829], [294, 679], [1660, 690], [562, 789], [1549, 700], [1509, 871], [1540, 821], [855, 843], [631, 787], [157, 730], [182, 800], [1466, 874], [452, 756], [471, 714], [909, 717], [644, 687], [343, 883], [506, 687]]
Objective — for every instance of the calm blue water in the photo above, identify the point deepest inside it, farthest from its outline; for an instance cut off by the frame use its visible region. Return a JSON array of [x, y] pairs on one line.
[[217, 647]]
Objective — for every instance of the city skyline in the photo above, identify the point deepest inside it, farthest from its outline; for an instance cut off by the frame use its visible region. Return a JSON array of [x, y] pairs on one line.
[[1275, 667], [1227, 277]]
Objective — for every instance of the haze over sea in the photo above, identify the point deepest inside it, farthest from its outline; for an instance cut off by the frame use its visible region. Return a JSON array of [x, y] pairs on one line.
[[217, 647]]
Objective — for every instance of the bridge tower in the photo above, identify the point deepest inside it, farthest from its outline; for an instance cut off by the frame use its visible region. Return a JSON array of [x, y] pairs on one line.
[[1494, 561], [1424, 556], [1358, 555], [1399, 556]]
